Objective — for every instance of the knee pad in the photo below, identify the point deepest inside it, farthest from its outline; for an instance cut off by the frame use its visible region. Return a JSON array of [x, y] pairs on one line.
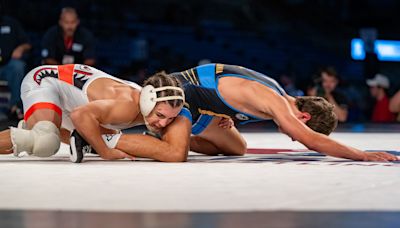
[[22, 140], [47, 139], [42, 141], [21, 124]]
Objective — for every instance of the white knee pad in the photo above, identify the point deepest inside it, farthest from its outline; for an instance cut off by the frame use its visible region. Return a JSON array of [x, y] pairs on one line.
[[42, 141], [21, 124]]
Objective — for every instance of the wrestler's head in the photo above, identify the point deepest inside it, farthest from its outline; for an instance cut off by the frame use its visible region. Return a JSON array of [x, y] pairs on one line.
[[321, 117], [161, 100], [69, 21]]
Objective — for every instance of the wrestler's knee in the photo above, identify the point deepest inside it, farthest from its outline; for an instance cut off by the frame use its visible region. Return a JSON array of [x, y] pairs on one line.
[[47, 139], [42, 141], [235, 148], [240, 148]]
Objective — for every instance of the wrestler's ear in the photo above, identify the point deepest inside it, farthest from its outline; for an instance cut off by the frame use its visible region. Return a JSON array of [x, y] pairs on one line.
[[304, 116]]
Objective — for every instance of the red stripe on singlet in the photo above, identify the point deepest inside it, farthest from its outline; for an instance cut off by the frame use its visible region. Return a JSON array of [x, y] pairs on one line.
[[42, 105]]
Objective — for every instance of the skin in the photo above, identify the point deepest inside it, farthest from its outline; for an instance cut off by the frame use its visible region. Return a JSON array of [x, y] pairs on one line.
[[38, 115], [394, 105], [69, 22], [329, 83], [261, 101], [107, 107], [110, 107], [377, 92], [20, 50]]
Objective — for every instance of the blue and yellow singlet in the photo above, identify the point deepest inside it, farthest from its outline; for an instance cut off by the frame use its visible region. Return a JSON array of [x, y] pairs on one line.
[[204, 100]]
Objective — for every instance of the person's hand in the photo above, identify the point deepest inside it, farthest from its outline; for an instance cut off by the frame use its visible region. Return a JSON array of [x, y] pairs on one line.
[[329, 97], [379, 156], [226, 123], [17, 53]]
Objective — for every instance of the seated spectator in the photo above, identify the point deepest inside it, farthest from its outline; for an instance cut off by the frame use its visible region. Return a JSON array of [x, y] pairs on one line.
[[328, 89], [378, 89], [289, 86], [13, 44], [68, 42], [394, 104]]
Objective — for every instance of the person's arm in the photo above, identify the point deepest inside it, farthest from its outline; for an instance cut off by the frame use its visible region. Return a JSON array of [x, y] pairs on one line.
[[173, 146], [340, 111], [20, 50], [87, 120], [394, 105], [285, 118], [22, 40]]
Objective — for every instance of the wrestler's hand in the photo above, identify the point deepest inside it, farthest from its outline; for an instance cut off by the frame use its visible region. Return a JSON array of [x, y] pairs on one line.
[[226, 123], [114, 154], [379, 156]]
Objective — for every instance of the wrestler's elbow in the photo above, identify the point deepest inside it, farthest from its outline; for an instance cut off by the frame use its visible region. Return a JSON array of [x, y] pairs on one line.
[[76, 115], [176, 155], [81, 116]]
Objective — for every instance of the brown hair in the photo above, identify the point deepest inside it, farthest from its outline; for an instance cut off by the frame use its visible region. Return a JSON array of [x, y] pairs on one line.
[[67, 10], [323, 118], [161, 79]]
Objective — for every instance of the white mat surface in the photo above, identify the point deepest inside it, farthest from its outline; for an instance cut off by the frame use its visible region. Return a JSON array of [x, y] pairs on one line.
[[252, 183]]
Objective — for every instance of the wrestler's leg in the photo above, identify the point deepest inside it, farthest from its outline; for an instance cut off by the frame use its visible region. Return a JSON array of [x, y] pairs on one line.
[[40, 135], [37, 116], [43, 115], [5, 142], [65, 135], [216, 140]]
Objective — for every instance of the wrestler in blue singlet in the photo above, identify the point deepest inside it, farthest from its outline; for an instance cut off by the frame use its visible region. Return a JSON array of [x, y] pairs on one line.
[[203, 98]]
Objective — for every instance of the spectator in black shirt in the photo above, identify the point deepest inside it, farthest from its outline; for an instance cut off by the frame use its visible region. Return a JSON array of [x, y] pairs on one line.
[[14, 44], [68, 42]]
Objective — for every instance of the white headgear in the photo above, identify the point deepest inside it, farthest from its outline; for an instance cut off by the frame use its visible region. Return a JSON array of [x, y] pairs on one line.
[[149, 99]]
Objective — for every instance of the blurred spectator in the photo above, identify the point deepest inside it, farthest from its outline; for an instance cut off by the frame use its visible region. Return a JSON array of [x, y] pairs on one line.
[[136, 72], [394, 104], [328, 89], [311, 88], [378, 88], [203, 62], [289, 86], [13, 44], [68, 42]]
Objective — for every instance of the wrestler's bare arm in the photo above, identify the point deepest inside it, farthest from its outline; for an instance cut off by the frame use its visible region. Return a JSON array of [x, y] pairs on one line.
[[279, 108], [87, 120], [173, 147]]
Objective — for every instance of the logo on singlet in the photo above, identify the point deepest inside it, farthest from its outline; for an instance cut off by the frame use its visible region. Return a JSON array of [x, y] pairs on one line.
[[84, 67], [109, 137], [81, 76], [241, 116], [43, 73]]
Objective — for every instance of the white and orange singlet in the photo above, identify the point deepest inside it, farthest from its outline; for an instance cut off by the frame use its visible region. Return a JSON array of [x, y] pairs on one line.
[[60, 88]]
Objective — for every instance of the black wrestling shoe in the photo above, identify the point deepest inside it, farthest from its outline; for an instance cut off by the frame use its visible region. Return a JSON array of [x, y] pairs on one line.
[[78, 147]]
